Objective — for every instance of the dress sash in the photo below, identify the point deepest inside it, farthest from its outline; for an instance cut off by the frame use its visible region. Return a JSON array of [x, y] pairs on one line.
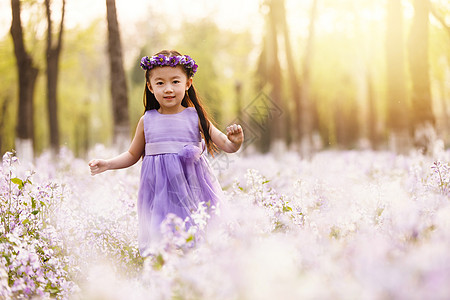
[[168, 147]]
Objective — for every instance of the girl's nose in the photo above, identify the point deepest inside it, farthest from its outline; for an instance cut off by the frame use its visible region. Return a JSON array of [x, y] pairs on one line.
[[168, 88]]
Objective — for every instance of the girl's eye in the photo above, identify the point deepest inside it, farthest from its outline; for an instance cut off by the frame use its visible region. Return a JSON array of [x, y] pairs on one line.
[[159, 83], [176, 81]]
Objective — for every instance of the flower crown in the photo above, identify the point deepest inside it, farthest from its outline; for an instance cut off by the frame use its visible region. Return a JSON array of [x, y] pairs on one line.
[[162, 60]]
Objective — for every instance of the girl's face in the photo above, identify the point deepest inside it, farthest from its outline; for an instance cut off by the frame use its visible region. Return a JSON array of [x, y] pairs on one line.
[[169, 85]]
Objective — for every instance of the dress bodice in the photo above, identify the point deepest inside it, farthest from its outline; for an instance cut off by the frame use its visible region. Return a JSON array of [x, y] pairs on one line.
[[179, 127]]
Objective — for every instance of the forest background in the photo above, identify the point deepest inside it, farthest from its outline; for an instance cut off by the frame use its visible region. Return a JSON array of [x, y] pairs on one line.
[[298, 75]]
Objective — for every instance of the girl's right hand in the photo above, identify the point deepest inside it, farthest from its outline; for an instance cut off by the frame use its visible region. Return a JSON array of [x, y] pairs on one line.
[[98, 166]]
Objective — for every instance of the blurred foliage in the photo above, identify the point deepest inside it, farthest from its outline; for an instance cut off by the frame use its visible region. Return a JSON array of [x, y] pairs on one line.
[[348, 49], [84, 89], [8, 94], [223, 59]]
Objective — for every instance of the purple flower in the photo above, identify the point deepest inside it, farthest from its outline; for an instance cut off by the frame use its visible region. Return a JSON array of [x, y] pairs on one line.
[[145, 63], [173, 61], [189, 62], [161, 60]]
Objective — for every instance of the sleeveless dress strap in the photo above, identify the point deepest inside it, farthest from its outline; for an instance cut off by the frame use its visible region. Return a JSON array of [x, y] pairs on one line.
[[168, 147]]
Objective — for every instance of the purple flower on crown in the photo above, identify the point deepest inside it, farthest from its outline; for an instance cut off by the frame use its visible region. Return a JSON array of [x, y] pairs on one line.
[[189, 62], [145, 63], [174, 60], [161, 60]]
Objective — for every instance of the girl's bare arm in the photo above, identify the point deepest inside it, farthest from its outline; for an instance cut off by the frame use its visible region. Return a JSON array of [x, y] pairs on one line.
[[126, 159], [231, 142]]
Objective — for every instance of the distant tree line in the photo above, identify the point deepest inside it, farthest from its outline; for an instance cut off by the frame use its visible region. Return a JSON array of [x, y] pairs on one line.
[[28, 72], [285, 77], [409, 120]]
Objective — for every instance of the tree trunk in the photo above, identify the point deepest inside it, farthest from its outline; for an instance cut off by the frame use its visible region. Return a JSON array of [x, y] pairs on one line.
[[276, 128], [27, 79], [238, 89], [372, 113], [423, 118], [397, 104], [419, 64], [306, 115], [294, 129], [261, 123], [3, 110], [53, 55], [118, 79]]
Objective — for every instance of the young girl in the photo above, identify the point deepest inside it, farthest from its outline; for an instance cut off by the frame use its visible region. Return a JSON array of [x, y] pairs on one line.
[[175, 177]]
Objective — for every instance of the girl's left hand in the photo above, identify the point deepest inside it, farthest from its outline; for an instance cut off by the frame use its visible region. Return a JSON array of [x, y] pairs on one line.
[[235, 134]]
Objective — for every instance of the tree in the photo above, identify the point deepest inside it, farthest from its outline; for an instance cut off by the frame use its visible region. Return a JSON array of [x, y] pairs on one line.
[[422, 112], [444, 123], [27, 78], [3, 109], [440, 19], [373, 134], [118, 82], [53, 54], [397, 104], [269, 75], [306, 103], [296, 127], [277, 128]]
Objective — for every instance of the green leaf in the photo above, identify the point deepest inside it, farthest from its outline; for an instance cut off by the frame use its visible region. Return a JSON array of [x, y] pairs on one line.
[[159, 262], [8, 258], [53, 290], [287, 208], [35, 212], [17, 181], [26, 221]]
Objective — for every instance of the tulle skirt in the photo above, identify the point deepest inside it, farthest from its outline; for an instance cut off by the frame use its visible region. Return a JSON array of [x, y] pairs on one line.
[[172, 183]]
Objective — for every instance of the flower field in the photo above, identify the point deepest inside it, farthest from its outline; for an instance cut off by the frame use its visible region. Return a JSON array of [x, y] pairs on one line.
[[340, 225]]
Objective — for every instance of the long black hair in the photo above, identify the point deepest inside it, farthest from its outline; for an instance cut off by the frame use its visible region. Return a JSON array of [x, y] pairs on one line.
[[191, 99]]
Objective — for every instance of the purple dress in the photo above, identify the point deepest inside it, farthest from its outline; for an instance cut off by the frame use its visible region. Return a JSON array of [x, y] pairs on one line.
[[175, 176]]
